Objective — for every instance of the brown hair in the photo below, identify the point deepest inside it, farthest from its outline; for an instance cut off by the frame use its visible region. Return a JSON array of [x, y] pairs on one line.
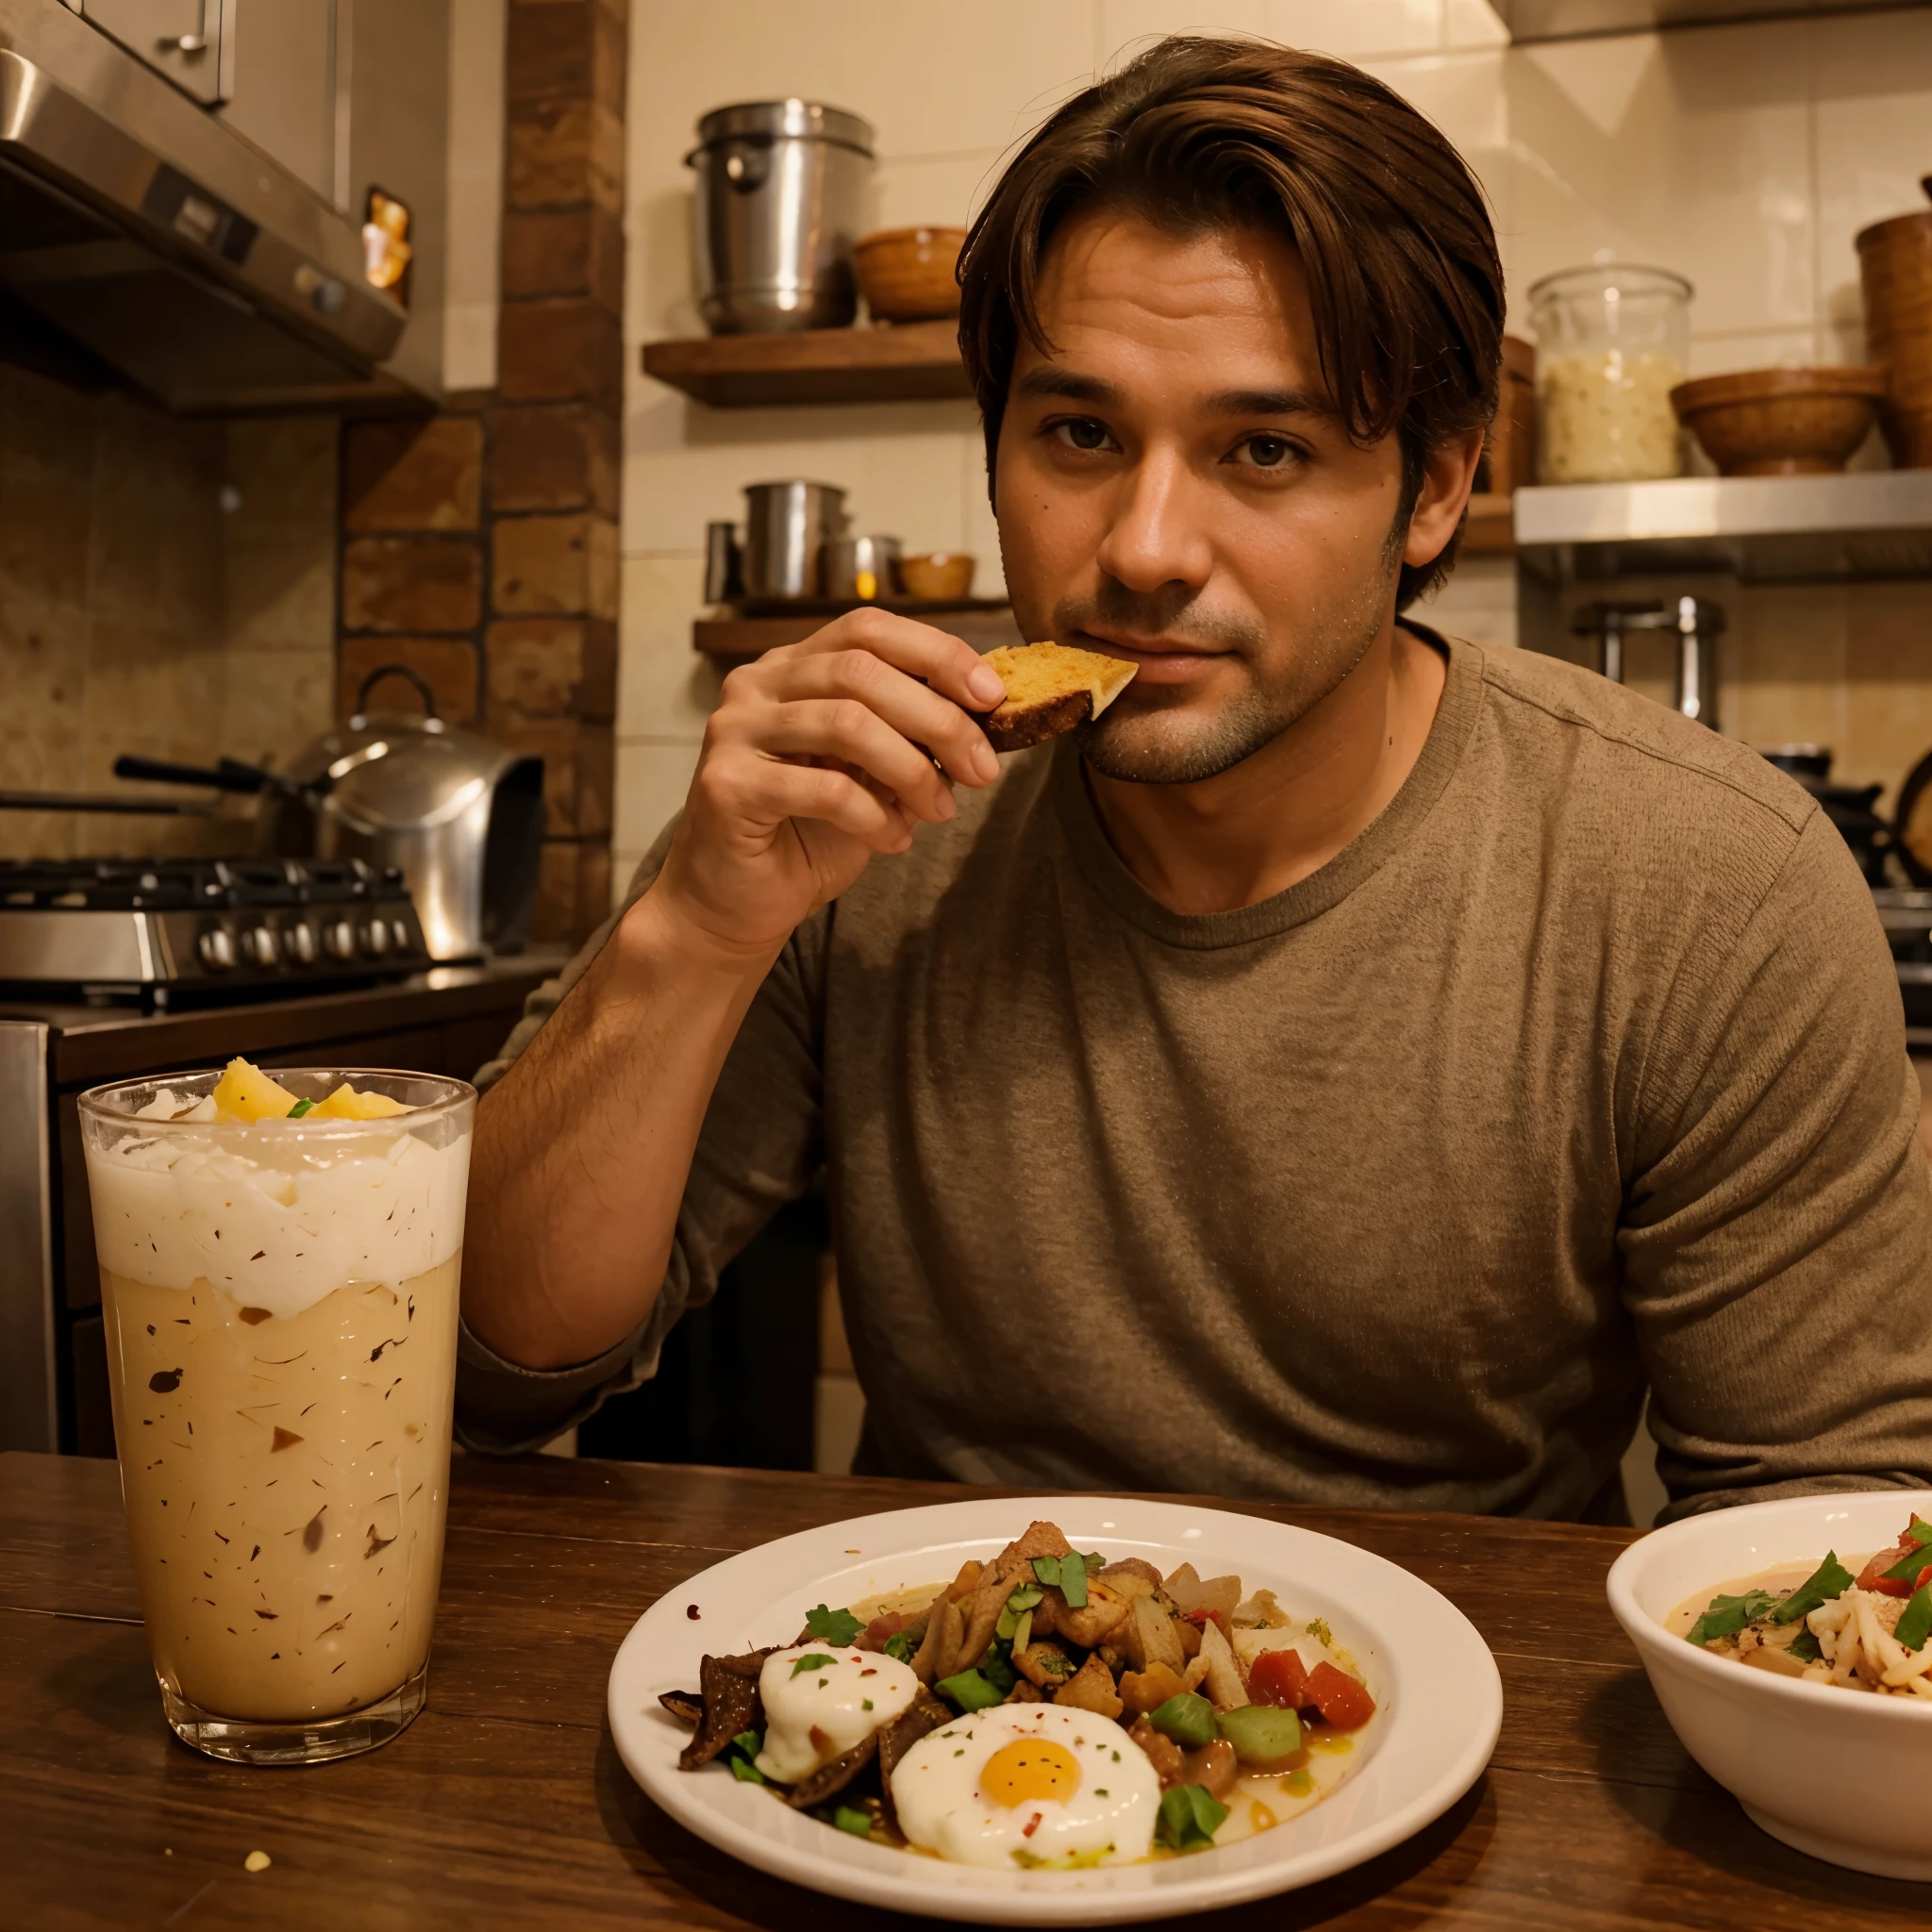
[[1200, 134]]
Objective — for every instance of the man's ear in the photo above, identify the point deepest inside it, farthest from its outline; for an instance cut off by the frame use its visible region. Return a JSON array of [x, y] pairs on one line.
[[1448, 477]]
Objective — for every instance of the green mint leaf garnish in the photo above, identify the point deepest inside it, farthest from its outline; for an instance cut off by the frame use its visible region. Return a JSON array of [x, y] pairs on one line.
[[832, 1626], [813, 1662], [1727, 1615], [1831, 1578], [1915, 1620]]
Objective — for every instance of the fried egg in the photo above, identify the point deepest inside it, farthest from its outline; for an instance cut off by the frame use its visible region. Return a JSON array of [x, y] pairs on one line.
[[821, 1699], [1025, 1782]]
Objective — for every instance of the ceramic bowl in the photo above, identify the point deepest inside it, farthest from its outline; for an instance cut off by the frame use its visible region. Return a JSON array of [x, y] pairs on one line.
[[905, 274], [1839, 1775], [1781, 421], [939, 577]]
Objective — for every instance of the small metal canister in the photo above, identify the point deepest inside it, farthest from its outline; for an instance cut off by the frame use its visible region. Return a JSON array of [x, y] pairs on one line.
[[866, 568], [787, 526], [781, 202]]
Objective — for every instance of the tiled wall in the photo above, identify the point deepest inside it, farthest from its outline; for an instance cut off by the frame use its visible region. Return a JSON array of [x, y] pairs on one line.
[[1746, 157], [166, 587]]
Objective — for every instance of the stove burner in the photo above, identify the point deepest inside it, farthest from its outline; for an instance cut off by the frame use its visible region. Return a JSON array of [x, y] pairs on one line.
[[161, 929], [190, 885]]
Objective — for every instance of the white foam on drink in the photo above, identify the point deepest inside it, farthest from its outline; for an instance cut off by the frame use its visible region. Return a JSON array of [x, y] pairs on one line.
[[278, 1234]]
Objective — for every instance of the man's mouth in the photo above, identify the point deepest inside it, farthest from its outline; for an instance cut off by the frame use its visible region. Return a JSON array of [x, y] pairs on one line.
[[1158, 660]]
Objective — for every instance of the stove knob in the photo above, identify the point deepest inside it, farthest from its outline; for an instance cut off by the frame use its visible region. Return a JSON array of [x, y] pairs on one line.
[[301, 943], [217, 949], [375, 941], [261, 947], [339, 938]]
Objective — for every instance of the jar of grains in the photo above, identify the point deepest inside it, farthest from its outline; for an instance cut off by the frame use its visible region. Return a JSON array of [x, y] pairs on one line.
[[1612, 342]]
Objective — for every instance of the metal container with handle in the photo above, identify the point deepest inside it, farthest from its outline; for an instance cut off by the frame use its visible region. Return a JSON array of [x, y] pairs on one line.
[[781, 202], [462, 817], [787, 526]]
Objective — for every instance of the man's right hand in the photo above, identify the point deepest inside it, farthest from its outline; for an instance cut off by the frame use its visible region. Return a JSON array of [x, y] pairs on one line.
[[819, 755]]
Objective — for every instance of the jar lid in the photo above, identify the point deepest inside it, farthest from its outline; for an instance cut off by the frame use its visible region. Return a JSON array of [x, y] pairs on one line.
[[1600, 277], [792, 119]]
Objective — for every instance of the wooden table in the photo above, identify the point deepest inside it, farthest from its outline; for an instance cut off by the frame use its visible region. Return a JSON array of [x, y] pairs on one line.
[[506, 1804]]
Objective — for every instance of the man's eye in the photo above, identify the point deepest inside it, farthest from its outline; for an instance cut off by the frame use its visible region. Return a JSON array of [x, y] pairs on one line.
[[1268, 451], [1083, 432]]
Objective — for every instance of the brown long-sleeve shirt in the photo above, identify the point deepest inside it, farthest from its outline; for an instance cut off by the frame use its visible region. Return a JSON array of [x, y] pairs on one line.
[[1583, 1066]]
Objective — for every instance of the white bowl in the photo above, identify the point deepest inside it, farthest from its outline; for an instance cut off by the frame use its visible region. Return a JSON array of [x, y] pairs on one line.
[[1839, 1775]]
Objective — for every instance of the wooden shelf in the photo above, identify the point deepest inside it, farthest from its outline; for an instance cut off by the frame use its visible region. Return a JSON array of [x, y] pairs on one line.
[[915, 361], [1491, 530], [982, 622]]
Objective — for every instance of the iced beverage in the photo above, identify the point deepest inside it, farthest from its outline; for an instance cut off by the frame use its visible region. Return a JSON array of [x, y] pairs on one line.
[[279, 1264]]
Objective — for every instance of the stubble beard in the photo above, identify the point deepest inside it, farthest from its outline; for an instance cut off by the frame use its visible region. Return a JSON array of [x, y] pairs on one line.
[[1146, 736]]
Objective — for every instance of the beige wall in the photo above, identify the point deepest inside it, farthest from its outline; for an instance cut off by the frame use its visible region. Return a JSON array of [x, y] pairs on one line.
[[1746, 157], [166, 587]]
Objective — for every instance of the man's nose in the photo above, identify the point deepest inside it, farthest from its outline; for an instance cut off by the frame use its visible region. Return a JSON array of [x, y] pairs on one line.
[[1158, 535]]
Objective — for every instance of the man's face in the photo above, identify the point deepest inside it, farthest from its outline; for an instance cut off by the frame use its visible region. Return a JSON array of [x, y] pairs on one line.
[[1173, 486]]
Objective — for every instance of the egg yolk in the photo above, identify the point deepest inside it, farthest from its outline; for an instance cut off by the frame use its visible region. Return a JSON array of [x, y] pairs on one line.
[[1026, 1769]]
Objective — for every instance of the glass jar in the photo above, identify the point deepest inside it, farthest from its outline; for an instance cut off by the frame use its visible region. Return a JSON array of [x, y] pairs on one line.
[[1612, 342]]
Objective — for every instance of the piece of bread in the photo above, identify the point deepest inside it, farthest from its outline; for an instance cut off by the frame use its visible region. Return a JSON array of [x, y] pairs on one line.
[[1050, 689]]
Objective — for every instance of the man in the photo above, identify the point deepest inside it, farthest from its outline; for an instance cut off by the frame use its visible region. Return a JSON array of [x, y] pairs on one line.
[[1352, 1069]]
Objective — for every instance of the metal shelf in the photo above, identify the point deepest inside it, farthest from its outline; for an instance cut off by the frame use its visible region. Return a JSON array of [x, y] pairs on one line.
[[1570, 20], [1761, 529]]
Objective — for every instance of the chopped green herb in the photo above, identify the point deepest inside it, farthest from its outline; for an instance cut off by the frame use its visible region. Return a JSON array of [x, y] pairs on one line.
[[901, 1647], [1915, 1620], [1727, 1615], [1094, 1560], [832, 1626], [865, 1704], [1831, 1578], [1188, 1818], [744, 1771], [1187, 1719], [1021, 1600], [1319, 1631], [997, 1666], [813, 1662], [971, 1692], [1806, 1645], [1100, 1791], [850, 1818], [300, 1108], [1047, 1570]]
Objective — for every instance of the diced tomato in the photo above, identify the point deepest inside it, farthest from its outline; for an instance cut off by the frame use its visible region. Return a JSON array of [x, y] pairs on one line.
[[1199, 1618], [1343, 1701], [1279, 1677], [1872, 1577], [881, 1630]]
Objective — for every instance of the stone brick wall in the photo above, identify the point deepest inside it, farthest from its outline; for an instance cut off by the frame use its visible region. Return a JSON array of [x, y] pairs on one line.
[[480, 547]]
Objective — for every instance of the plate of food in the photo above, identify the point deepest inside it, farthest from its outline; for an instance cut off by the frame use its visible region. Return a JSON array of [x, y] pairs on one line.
[[1090, 1710]]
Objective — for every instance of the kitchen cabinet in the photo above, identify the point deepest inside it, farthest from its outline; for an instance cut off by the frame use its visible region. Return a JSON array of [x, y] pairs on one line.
[[285, 96], [191, 42]]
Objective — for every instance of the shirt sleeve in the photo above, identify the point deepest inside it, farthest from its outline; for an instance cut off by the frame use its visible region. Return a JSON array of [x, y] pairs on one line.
[[761, 1145], [1777, 1230]]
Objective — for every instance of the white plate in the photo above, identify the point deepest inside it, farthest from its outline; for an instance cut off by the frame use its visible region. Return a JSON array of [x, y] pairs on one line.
[[1440, 1703]]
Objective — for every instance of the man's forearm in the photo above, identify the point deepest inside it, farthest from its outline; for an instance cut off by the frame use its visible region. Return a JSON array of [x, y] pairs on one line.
[[583, 1149]]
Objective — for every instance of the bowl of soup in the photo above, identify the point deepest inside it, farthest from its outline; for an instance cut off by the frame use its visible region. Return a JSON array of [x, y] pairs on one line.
[[1786, 1642]]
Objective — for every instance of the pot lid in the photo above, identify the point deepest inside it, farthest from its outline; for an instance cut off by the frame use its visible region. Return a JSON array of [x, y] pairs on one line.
[[795, 119]]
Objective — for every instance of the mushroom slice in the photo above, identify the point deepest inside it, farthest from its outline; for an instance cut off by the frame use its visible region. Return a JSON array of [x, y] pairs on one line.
[[830, 1779], [729, 1686]]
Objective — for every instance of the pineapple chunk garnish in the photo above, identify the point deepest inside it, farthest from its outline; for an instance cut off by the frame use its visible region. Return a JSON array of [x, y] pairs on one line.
[[345, 1103], [244, 1092]]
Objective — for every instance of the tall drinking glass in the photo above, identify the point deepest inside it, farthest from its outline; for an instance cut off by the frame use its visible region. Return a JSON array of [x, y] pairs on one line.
[[280, 1302]]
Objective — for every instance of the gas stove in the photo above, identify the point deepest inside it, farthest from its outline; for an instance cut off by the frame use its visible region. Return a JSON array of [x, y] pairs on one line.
[[160, 930]]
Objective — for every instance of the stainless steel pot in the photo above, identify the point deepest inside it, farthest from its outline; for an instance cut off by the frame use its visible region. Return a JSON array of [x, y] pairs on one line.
[[461, 816], [780, 201], [862, 567], [787, 526]]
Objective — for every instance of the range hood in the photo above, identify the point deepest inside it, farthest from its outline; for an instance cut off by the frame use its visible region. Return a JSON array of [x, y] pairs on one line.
[[134, 223]]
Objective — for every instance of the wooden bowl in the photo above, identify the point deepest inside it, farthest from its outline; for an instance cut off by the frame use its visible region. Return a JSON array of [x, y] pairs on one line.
[[905, 274], [1781, 421], [939, 577]]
